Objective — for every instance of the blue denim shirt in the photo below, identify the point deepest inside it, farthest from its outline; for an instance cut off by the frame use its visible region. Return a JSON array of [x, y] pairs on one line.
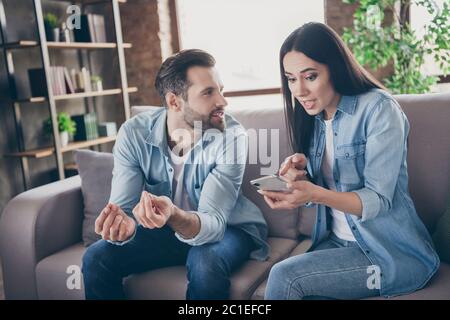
[[213, 176], [370, 147]]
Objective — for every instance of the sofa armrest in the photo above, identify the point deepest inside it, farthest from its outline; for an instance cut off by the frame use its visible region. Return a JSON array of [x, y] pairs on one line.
[[34, 225]]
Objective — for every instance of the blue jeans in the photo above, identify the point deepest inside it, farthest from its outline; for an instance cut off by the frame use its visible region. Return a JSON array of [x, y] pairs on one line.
[[334, 269], [209, 266]]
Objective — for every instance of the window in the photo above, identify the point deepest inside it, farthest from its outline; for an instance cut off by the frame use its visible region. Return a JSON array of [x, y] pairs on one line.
[[244, 36]]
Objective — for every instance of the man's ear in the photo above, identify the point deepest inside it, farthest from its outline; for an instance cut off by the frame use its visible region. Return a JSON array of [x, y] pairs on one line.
[[173, 101]]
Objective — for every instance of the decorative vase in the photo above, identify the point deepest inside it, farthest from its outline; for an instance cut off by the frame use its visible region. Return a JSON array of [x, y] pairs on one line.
[[56, 33], [97, 85], [64, 138]]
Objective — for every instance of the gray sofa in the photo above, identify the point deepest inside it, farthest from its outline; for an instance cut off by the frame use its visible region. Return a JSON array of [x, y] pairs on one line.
[[40, 230]]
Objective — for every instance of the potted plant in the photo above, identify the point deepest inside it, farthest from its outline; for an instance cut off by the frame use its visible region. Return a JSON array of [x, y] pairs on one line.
[[96, 82], [377, 41], [66, 127], [51, 27]]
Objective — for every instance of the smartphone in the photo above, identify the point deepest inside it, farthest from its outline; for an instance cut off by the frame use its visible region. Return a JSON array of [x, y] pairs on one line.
[[271, 183]]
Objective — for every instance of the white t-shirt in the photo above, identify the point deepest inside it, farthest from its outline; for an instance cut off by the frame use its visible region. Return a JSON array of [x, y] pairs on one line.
[[181, 198], [340, 225]]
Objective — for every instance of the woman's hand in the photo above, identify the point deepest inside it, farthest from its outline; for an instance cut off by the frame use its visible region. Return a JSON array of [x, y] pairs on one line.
[[293, 168], [302, 192]]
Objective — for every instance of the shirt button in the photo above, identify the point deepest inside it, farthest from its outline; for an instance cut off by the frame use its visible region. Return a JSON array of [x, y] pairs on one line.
[[318, 154], [367, 251], [337, 181], [335, 133], [347, 155], [170, 170], [353, 228]]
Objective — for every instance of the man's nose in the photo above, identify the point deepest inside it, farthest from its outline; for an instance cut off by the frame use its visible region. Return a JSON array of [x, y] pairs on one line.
[[222, 102]]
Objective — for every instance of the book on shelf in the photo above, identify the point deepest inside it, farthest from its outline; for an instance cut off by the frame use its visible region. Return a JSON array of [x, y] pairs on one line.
[[86, 126], [92, 28], [38, 85], [60, 81]]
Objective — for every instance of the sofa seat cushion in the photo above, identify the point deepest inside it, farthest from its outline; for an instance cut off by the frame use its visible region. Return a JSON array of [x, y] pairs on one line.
[[52, 274], [437, 289], [300, 248], [171, 283], [165, 284]]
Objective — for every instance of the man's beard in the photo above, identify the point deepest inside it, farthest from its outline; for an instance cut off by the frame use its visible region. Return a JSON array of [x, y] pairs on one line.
[[191, 116]]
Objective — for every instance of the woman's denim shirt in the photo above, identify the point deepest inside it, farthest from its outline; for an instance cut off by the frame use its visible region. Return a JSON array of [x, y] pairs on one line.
[[370, 146]]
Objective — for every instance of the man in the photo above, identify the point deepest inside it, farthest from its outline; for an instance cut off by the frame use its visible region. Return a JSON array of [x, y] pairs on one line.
[[175, 196]]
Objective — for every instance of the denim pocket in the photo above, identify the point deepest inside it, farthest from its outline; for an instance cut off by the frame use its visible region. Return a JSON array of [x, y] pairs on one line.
[[350, 161]]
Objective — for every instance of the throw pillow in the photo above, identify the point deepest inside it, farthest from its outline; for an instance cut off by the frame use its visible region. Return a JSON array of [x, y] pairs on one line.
[[95, 169]]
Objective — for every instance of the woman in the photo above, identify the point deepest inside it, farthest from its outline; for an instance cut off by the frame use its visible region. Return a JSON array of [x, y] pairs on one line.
[[350, 136]]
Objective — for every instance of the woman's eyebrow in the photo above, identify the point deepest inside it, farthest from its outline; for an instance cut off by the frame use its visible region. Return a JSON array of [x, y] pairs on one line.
[[303, 71]]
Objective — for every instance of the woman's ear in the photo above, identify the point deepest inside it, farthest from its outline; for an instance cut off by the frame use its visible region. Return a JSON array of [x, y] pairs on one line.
[[173, 101]]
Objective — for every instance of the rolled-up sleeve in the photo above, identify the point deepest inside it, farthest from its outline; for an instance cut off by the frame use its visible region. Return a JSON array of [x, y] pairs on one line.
[[128, 179], [207, 226], [220, 191], [387, 129]]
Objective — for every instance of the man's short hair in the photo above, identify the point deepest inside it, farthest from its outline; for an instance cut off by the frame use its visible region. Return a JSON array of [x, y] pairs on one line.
[[172, 76]]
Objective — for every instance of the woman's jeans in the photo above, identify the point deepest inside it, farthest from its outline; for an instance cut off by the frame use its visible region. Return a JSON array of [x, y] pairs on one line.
[[335, 269], [209, 266]]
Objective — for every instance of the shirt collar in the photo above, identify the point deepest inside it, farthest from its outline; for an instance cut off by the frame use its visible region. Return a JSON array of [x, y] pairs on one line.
[[347, 104], [157, 133]]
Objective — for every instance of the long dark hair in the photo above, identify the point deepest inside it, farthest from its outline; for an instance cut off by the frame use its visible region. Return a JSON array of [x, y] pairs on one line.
[[322, 44]]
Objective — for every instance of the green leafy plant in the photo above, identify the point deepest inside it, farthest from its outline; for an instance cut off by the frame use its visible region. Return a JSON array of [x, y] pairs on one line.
[[65, 123], [96, 78], [51, 20], [377, 41]]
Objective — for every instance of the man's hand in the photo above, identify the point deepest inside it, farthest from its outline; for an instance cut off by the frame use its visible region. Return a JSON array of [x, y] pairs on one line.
[[153, 211], [114, 224], [293, 168]]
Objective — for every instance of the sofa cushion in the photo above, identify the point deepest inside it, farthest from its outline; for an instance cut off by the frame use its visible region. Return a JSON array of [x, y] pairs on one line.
[[95, 169], [441, 237], [165, 284], [52, 274], [437, 289], [171, 283], [428, 153]]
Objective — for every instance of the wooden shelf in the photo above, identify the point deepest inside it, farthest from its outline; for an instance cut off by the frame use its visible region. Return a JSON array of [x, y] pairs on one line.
[[88, 143], [79, 95], [85, 45], [20, 44], [97, 1], [70, 166], [45, 152], [93, 94], [32, 100], [91, 1]]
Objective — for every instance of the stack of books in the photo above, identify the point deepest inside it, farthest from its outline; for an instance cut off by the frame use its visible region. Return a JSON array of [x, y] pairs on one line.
[[92, 29], [81, 80], [60, 80], [86, 126]]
